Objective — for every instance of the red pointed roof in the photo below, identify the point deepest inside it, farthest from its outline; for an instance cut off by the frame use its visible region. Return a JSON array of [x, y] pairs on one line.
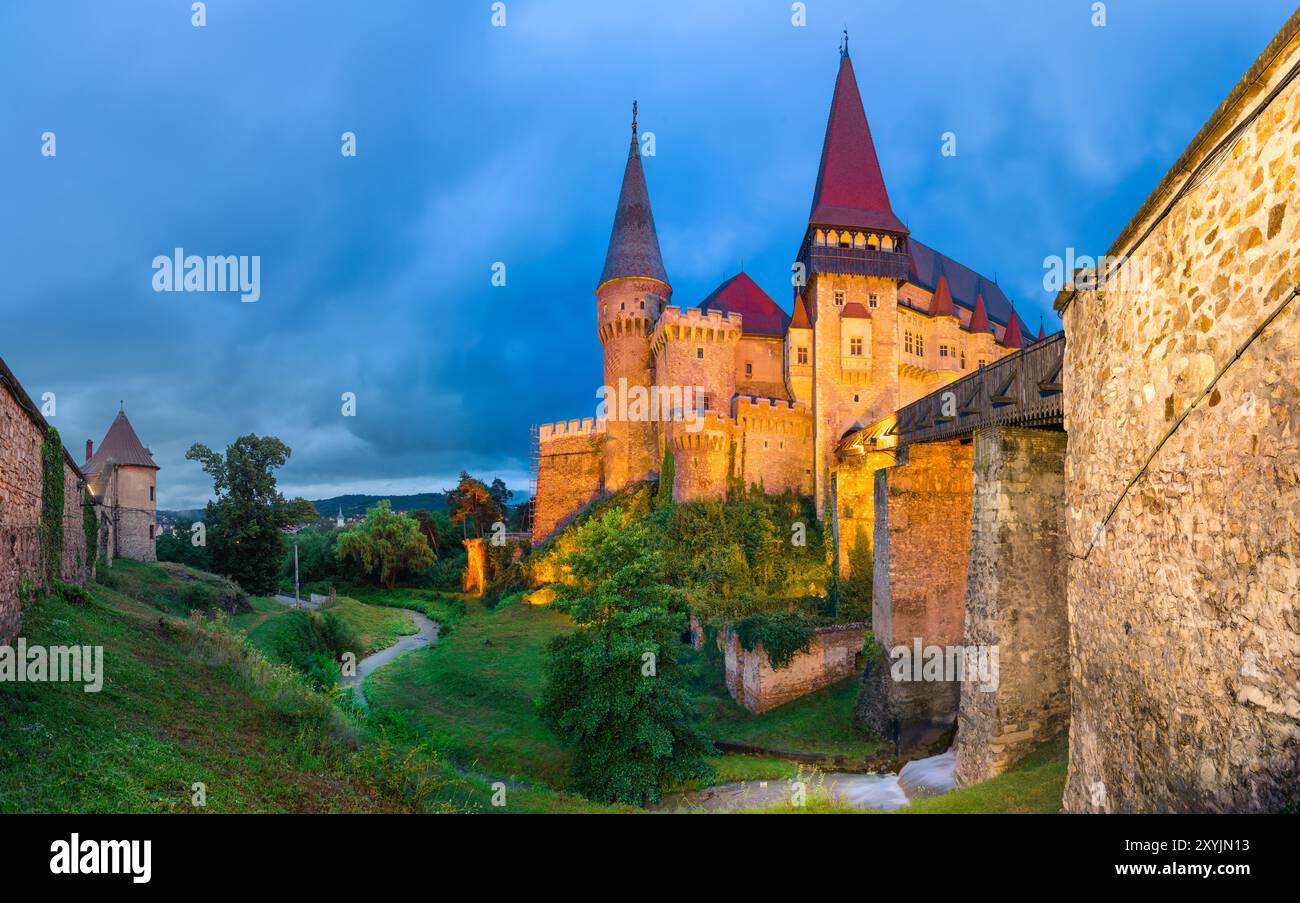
[[800, 319], [760, 315], [850, 186], [1013, 336], [855, 311], [633, 243], [122, 446], [979, 318], [941, 304], [1041, 335]]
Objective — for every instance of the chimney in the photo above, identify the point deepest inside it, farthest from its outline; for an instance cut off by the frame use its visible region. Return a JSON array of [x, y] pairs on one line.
[[90, 449]]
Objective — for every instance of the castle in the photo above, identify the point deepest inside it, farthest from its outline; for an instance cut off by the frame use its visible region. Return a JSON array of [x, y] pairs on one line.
[[122, 478], [879, 320]]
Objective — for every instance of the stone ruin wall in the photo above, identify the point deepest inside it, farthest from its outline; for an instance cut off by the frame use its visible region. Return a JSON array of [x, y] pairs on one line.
[[753, 683], [1185, 612]]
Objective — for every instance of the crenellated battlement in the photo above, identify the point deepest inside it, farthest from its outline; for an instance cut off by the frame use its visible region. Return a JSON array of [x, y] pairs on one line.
[[694, 325], [568, 429]]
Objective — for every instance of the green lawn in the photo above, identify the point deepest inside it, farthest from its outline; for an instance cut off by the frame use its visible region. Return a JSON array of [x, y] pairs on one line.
[[820, 722]]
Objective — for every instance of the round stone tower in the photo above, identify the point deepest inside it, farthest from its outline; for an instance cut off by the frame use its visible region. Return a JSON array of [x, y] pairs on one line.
[[633, 290]]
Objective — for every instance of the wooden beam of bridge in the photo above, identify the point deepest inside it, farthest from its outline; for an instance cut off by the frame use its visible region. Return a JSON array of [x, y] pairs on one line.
[[1023, 388]]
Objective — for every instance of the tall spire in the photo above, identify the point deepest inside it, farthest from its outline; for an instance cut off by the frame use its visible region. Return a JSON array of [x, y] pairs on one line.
[[941, 304], [633, 243], [850, 186]]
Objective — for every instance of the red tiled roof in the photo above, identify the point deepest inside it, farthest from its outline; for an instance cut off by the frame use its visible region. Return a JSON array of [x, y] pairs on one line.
[[800, 319], [966, 284], [633, 243], [850, 186], [121, 445], [855, 311], [760, 315], [979, 318]]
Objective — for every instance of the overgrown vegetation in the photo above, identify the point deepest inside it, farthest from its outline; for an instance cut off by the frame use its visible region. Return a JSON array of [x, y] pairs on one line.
[[386, 544], [52, 493]]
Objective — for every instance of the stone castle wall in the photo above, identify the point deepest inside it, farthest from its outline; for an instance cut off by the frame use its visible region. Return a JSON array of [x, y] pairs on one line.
[[20, 511], [1185, 630], [1015, 600], [776, 444], [570, 472], [702, 457]]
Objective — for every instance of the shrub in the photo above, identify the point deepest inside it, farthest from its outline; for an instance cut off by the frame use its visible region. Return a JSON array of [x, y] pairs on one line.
[[783, 635]]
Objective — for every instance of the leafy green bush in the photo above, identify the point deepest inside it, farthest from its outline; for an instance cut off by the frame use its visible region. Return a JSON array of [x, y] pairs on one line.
[[783, 635]]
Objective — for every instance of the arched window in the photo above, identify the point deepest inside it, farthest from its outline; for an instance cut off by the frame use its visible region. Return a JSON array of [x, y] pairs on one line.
[[873, 242], [820, 237], [859, 240], [886, 243], [832, 237]]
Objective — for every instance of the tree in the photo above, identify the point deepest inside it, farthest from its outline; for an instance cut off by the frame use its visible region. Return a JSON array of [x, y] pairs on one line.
[[667, 473], [179, 546], [386, 543], [615, 691], [475, 506], [245, 519]]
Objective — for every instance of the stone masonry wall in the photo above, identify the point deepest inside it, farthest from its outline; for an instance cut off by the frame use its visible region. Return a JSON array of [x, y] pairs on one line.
[[570, 473], [1185, 604], [20, 511], [1015, 600], [921, 549], [753, 683], [776, 446]]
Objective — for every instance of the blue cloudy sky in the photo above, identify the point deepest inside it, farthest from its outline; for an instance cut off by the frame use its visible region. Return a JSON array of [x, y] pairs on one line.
[[479, 144]]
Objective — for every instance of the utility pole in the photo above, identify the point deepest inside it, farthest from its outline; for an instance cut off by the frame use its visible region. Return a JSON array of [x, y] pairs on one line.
[[297, 599]]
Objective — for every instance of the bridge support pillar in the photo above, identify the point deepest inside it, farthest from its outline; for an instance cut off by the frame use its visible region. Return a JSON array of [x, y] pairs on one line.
[[921, 548], [1015, 601]]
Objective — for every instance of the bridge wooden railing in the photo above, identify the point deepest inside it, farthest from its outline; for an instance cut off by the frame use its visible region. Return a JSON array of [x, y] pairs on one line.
[[1022, 388]]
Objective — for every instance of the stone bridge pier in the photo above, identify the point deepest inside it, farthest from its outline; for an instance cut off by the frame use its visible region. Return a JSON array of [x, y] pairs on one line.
[[1015, 601], [920, 550]]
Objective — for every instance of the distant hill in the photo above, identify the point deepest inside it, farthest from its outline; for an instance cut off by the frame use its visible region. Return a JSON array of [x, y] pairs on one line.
[[355, 505]]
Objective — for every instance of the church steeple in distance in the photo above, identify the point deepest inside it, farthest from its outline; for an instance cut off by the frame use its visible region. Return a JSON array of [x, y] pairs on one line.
[[633, 243]]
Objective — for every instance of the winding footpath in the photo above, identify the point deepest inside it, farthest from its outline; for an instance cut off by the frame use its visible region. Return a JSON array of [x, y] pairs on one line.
[[428, 634]]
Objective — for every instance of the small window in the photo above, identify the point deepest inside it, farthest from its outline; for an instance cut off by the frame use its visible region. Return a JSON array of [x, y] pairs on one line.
[[802, 355], [907, 342], [839, 299], [920, 344], [152, 489], [963, 358], [699, 354], [943, 351], [873, 300], [982, 362], [855, 347], [622, 305], [643, 305], [749, 369], [151, 531]]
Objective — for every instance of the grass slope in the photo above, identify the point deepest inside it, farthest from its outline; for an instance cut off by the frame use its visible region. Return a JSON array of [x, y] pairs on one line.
[[167, 717]]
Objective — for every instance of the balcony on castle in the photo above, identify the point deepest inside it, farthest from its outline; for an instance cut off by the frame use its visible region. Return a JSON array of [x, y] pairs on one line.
[[855, 253]]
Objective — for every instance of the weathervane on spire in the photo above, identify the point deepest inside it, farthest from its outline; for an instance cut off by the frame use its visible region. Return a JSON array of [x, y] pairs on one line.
[[844, 47], [634, 117]]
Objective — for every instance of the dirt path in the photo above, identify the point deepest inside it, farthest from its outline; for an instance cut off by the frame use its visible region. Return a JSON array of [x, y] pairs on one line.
[[428, 634]]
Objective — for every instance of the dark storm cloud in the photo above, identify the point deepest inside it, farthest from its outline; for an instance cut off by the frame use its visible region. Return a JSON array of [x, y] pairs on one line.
[[478, 145]]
